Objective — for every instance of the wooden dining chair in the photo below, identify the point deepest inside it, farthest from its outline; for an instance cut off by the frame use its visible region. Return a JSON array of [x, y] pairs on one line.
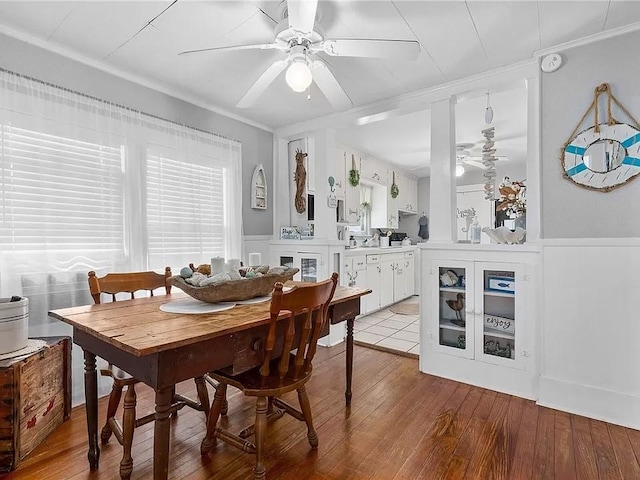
[[112, 284], [305, 309]]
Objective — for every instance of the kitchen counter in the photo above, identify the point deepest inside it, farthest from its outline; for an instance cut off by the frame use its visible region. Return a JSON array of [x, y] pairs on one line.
[[353, 251]]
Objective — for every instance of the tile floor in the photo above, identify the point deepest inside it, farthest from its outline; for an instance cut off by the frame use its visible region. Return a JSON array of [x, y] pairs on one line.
[[390, 330]]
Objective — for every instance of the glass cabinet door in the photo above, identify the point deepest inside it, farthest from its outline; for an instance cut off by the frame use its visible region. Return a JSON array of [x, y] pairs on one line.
[[310, 267], [455, 299], [498, 321]]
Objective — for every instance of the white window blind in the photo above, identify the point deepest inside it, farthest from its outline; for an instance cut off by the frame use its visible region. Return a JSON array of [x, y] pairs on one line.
[[61, 195], [185, 210]]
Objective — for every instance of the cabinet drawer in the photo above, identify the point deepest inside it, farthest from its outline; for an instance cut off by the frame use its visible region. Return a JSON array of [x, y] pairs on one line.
[[347, 264], [360, 263], [408, 254], [373, 258]]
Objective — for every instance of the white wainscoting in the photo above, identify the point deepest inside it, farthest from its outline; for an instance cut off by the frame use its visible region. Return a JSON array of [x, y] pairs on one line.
[[256, 243], [591, 328]]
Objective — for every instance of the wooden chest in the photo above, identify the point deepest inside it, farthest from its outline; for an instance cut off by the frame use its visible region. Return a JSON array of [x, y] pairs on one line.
[[35, 398]]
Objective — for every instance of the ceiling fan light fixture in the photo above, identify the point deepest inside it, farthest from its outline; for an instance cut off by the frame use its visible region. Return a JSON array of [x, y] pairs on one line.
[[299, 76], [459, 170]]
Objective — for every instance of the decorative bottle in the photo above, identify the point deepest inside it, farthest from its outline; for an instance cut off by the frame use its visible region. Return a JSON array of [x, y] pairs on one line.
[[476, 230]]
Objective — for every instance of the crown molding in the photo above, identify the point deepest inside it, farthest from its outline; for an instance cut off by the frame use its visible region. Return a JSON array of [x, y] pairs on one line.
[[596, 37], [142, 81]]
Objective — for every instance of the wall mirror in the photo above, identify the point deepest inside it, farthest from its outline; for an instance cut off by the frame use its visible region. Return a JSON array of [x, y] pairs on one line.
[[605, 159], [606, 155]]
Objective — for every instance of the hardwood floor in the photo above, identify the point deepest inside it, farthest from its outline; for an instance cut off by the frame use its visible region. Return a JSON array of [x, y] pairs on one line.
[[402, 425]]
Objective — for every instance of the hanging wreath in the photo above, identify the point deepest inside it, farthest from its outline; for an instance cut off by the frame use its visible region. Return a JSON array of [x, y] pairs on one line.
[[354, 174], [394, 188]]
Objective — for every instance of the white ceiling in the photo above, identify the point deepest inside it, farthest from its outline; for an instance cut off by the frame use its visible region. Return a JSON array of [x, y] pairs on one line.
[[457, 39]]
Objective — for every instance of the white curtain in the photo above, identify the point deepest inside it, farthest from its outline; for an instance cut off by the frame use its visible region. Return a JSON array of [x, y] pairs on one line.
[[88, 185]]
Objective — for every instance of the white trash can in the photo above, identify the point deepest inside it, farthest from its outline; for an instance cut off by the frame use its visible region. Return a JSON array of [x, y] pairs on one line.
[[14, 324]]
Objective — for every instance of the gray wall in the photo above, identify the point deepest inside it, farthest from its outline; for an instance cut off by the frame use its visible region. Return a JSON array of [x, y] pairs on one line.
[[409, 223], [569, 211], [257, 144]]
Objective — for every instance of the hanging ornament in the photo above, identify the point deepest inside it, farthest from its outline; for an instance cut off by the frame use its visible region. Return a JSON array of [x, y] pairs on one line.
[[488, 160], [488, 113]]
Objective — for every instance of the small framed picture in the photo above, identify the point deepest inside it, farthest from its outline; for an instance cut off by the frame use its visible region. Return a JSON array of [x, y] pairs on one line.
[[289, 233]]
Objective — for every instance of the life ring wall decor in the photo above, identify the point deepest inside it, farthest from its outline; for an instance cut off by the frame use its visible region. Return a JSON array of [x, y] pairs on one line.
[[606, 155]]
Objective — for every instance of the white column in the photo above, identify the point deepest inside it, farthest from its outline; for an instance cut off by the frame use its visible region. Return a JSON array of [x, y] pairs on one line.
[[442, 227], [279, 194], [534, 205]]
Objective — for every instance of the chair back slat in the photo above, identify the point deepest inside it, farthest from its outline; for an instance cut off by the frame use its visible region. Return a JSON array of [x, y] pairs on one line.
[[114, 283], [307, 306]]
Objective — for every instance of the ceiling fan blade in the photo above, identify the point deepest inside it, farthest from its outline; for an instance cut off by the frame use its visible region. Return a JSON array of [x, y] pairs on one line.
[[302, 15], [474, 163], [258, 46], [404, 49], [329, 86], [258, 88]]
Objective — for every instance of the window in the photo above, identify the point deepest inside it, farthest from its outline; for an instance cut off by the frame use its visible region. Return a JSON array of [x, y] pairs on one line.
[[87, 185]]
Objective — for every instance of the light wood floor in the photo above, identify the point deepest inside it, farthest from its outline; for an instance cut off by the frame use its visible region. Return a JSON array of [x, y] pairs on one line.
[[402, 424]]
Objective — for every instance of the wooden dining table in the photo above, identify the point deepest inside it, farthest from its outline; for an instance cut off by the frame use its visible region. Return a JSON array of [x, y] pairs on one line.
[[162, 349]]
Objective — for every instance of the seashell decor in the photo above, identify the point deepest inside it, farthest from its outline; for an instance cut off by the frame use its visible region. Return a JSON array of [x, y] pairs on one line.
[[504, 235]]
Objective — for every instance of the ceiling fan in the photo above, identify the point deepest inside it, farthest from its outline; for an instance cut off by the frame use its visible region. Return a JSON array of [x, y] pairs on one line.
[[464, 157], [302, 39]]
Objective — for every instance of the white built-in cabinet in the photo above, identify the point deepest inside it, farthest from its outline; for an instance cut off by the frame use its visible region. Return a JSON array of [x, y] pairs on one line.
[[372, 170], [407, 200], [479, 322], [390, 276], [354, 272]]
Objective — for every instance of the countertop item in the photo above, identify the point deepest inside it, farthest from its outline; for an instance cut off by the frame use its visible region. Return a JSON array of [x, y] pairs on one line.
[[377, 250]]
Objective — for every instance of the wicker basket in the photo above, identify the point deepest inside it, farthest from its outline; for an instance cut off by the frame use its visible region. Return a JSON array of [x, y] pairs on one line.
[[234, 289]]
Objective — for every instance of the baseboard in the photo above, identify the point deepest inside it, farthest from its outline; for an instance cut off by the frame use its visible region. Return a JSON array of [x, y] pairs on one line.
[[613, 407]]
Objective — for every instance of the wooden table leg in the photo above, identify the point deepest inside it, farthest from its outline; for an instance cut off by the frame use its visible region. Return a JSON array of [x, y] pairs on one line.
[[347, 393], [91, 401], [162, 430]]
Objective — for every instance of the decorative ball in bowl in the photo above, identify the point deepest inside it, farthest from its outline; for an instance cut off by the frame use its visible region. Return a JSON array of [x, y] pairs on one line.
[[231, 290]]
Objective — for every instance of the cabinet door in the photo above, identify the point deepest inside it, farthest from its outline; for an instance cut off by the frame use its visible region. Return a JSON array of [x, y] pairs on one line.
[[409, 277], [310, 267], [386, 282], [372, 301], [452, 308], [373, 171], [352, 204], [410, 199], [398, 280], [500, 313], [290, 260]]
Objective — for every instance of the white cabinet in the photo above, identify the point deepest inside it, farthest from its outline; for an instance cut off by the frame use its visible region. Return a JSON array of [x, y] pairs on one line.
[[480, 316], [310, 265], [373, 171], [354, 273], [409, 274], [374, 281], [384, 208], [386, 276], [407, 200], [479, 310]]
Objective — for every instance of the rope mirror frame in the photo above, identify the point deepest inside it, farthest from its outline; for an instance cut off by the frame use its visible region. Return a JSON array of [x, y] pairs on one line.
[[574, 149]]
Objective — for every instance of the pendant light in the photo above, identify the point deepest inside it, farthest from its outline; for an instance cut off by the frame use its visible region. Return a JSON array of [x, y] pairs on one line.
[[488, 113]]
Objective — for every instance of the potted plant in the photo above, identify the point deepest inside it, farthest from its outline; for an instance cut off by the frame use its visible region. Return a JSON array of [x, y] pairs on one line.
[[354, 174]]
